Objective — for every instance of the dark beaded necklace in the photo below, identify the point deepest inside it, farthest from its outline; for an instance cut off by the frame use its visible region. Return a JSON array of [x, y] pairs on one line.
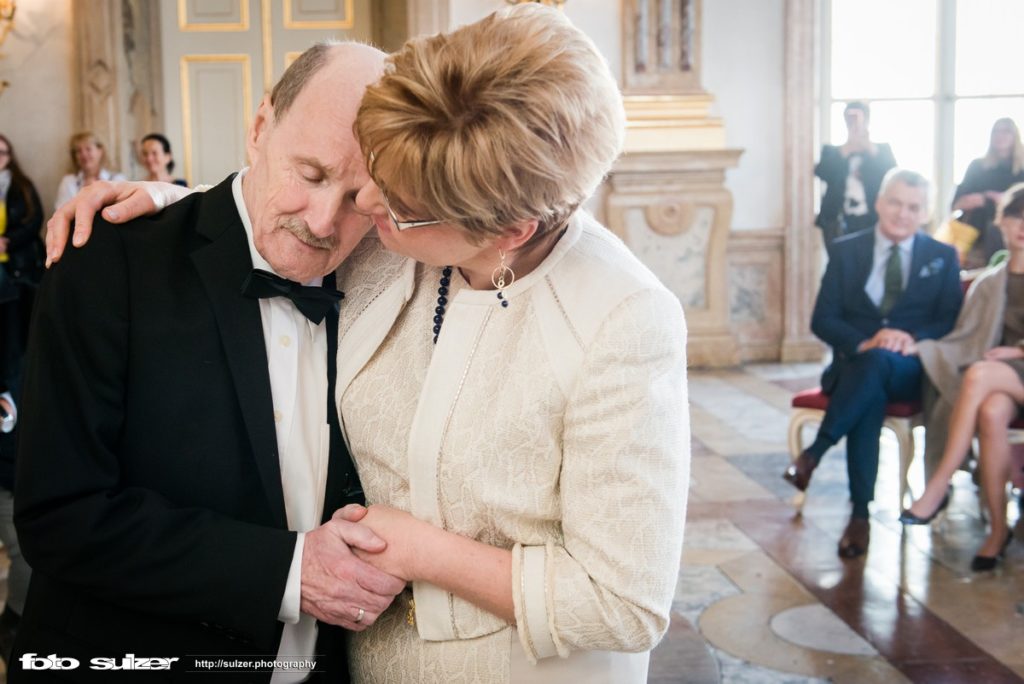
[[442, 300]]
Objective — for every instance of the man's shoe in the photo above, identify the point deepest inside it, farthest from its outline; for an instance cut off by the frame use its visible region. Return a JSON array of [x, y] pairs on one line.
[[855, 539], [799, 472]]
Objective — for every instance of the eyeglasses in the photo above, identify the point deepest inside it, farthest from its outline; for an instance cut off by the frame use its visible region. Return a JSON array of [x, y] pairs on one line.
[[399, 224], [405, 225]]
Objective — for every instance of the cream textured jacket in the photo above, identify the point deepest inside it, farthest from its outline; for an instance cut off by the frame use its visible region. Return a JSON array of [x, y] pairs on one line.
[[556, 427], [979, 327]]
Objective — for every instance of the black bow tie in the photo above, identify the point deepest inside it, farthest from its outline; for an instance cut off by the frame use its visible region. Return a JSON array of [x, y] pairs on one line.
[[313, 302]]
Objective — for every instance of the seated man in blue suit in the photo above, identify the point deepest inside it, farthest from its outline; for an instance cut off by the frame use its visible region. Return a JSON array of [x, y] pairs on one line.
[[884, 289]]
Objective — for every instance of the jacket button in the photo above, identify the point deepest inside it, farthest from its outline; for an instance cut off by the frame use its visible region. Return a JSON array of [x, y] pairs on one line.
[[885, 321]]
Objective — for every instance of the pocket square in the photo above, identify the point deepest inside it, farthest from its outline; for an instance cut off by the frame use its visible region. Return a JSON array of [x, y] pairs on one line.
[[931, 268]]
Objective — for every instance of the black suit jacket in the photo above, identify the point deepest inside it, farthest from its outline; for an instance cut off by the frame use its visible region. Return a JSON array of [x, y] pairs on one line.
[[148, 494], [844, 315]]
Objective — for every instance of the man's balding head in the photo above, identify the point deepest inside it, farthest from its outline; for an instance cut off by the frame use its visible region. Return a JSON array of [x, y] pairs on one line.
[[305, 165]]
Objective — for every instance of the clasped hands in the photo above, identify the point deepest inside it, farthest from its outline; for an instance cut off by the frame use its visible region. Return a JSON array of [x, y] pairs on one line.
[[356, 563], [890, 339]]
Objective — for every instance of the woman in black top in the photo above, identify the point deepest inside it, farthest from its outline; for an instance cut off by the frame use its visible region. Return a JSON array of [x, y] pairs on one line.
[[21, 258], [983, 185]]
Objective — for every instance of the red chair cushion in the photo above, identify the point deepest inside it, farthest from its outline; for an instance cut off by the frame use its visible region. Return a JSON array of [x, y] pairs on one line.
[[815, 399]]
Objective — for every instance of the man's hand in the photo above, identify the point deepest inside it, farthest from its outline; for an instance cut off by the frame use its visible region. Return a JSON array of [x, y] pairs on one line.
[[889, 339], [123, 201], [336, 584], [407, 538], [1004, 354]]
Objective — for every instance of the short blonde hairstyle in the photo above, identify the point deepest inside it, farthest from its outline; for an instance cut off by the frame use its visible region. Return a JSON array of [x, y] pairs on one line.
[[512, 118], [82, 138]]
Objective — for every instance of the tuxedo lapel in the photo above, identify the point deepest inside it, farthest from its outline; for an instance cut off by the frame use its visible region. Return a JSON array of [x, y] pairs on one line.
[[223, 265]]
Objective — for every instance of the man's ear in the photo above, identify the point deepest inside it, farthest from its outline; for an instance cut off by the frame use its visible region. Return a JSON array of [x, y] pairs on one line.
[[260, 127]]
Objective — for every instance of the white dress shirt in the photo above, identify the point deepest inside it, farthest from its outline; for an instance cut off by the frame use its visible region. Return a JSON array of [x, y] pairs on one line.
[[297, 361], [875, 286]]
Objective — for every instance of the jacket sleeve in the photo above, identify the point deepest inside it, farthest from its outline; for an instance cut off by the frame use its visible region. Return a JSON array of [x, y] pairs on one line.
[[970, 182], [625, 468], [831, 168], [828, 321], [77, 520], [947, 304]]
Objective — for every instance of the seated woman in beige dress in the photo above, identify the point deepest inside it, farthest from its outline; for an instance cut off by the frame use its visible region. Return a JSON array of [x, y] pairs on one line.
[[979, 367], [511, 379]]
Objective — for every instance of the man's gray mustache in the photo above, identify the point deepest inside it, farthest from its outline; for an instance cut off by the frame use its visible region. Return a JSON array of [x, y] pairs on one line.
[[300, 229]]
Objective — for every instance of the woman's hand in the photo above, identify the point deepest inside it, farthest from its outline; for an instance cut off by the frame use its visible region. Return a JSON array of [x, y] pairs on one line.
[[123, 201], [1004, 353], [406, 538], [970, 201]]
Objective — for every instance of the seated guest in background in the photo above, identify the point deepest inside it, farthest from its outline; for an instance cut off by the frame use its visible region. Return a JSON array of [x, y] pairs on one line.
[[155, 155], [978, 370], [21, 258], [984, 183], [89, 160], [852, 173], [883, 289], [21, 265]]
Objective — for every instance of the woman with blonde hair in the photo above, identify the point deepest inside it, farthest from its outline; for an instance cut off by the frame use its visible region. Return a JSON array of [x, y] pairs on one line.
[[89, 164], [983, 185], [978, 371], [511, 379]]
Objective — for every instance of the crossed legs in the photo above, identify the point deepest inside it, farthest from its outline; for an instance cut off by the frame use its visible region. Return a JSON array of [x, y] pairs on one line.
[[990, 396]]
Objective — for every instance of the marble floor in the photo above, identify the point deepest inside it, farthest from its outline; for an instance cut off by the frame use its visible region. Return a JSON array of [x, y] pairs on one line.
[[762, 594]]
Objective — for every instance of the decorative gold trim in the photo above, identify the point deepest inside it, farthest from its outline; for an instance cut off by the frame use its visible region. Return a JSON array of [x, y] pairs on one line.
[[268, 47], [186, 98], [242, 25], [290, 57], [346, 23]]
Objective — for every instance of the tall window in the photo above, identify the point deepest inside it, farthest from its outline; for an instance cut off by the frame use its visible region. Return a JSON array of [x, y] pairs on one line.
[[937, 74]]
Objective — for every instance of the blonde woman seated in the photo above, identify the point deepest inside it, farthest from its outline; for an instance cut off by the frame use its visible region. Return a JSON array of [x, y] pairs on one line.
[[89, 164], [511, 379], [979, 369]]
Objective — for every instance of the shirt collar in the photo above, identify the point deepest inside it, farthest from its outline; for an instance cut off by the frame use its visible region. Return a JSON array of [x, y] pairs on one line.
[[257, 259], [882, 243]]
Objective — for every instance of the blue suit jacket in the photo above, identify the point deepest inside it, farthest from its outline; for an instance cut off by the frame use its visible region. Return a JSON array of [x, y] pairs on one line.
[[844, 316]]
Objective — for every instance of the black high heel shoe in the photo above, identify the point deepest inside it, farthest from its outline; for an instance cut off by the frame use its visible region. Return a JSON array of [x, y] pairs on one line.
[[983, 563], [908, 518]]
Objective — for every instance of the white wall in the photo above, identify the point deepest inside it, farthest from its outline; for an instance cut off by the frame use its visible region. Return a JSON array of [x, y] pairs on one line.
[[36, 110], [742, 56]]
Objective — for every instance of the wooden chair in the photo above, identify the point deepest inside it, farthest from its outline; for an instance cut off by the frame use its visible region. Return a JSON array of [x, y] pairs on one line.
[[900, 417]]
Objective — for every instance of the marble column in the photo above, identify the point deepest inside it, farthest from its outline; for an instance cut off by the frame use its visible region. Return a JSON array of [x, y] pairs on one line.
[[802, 244], [117, 49], [666, 197]]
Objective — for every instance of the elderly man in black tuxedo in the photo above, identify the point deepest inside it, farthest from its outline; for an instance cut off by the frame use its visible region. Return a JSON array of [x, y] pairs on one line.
[[181, 458], [884, 289]]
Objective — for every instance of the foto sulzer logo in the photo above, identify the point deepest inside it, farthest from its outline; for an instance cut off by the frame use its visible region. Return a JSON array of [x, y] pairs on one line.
[[34, 661]]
